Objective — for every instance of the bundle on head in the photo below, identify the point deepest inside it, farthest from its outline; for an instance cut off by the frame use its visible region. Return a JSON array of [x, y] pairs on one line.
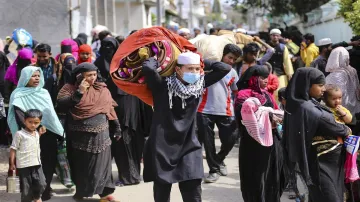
[[158, 42]]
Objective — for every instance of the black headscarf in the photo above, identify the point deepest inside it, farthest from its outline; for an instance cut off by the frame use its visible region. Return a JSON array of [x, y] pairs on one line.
[[81, 39], [297, 91], [85, 67], [108, 48], [256, 70], [68, 65], [302, 119]]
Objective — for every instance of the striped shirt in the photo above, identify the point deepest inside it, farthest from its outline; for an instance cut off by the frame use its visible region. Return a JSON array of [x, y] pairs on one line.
[[217, 98], [27, 148]]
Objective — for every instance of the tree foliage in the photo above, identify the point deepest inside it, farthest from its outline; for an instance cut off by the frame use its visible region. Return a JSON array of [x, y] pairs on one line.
[[281, 7], [349, 10]]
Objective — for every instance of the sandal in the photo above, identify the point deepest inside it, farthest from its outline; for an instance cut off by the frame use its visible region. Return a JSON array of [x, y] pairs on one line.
[[109, 198]]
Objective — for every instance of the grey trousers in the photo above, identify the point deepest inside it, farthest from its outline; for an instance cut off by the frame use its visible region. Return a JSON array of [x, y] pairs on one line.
[[32, 183]]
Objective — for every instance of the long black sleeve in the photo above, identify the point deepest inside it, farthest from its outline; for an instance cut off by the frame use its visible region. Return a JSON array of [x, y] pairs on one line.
[[329, 127], [114, 127], [6, 49], [19, 117], [218, 70], [341, 44], [152, 77], [66, 103]]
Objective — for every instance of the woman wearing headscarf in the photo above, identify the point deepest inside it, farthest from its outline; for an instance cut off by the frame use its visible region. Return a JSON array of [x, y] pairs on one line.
[[81, 39], [85, 54], [135, 120], [90, 122], [311, 137], [260, 160], [30, 94], [69, 46], [23, 59], [66, 65], [344, 76]]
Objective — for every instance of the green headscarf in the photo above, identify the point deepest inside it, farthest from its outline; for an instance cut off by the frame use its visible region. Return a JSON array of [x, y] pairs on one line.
[[27, 98]]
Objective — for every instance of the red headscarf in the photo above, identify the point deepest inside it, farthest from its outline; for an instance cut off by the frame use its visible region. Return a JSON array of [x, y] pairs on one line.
[[84, 49]]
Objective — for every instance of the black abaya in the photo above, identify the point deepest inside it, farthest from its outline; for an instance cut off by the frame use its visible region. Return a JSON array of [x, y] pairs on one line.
[[262, 171], [129, 149]]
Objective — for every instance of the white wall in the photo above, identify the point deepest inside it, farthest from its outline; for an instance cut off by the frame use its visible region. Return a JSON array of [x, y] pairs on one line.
[[336, 29], [137, 17]]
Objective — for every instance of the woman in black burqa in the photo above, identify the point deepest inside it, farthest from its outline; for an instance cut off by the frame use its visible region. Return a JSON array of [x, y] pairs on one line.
[[134, 117], [261, 168], [310, 137]]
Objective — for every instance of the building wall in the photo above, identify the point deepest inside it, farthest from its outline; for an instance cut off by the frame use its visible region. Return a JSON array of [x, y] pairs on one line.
[[138, 18], [46, 20], [337, 30]]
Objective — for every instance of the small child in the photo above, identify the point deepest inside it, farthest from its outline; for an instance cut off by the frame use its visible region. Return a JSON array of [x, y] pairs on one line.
[[26, 148], [273, 81], [333, 100]]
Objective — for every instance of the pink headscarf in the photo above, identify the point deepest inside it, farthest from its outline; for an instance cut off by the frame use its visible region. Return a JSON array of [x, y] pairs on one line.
[[74, 48], [25, 54], [256, 119]]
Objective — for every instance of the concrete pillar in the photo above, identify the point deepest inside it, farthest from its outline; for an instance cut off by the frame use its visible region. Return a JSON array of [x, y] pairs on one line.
[[101, 12], [110, 12]]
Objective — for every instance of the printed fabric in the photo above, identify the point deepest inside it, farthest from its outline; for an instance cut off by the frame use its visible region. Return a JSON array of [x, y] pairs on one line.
[[256, 119]]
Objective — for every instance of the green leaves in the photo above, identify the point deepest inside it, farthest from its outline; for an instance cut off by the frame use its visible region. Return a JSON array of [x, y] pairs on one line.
[[281, 7], [349, 10]]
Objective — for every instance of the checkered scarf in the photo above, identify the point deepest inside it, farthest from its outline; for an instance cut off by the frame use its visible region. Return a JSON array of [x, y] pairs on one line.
[[177, 88]]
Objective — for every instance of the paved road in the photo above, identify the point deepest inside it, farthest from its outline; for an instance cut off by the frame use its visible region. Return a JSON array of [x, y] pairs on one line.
[[227, 189]]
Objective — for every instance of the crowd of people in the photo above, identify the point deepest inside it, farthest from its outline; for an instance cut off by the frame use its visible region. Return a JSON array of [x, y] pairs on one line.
[[289, 105]]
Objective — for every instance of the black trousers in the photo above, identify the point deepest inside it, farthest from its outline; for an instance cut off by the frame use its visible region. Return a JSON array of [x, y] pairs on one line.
[[48, 146], [190, 191], [227, 132], [32, 182]]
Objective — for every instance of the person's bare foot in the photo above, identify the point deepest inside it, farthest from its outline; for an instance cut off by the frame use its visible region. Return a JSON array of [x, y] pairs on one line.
[[109, 198]]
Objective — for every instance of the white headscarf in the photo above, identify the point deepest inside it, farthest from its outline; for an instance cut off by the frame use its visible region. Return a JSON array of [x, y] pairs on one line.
[[344, 76]]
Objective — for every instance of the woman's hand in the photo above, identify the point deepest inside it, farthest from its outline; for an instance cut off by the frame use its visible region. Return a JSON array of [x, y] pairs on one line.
[[42, 130], [84, 85]]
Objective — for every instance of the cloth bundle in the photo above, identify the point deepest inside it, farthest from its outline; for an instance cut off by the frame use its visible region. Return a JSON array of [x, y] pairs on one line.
[[351, 171], [256, 119], [164, 51], [211, 47], [125, 68]]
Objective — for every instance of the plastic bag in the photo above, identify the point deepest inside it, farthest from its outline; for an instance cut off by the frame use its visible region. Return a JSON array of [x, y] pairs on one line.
[[63, 167], [212, 47], [22, 37]]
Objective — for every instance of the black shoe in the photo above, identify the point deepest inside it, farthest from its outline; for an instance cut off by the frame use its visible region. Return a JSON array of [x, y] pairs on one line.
[[223, 170], [213, 177], [46, 197]]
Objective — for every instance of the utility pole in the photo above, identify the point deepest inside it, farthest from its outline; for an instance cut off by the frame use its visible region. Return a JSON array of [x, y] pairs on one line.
[[158, 12]]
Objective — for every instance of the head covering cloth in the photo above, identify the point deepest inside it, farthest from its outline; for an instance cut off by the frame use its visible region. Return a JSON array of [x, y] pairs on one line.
[[96, 100], [84, 49], [344, 76], [27, 98], [108, 48], [12, 74]]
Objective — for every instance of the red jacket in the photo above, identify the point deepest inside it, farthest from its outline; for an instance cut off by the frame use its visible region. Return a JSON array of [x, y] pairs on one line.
[[273, 84]]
